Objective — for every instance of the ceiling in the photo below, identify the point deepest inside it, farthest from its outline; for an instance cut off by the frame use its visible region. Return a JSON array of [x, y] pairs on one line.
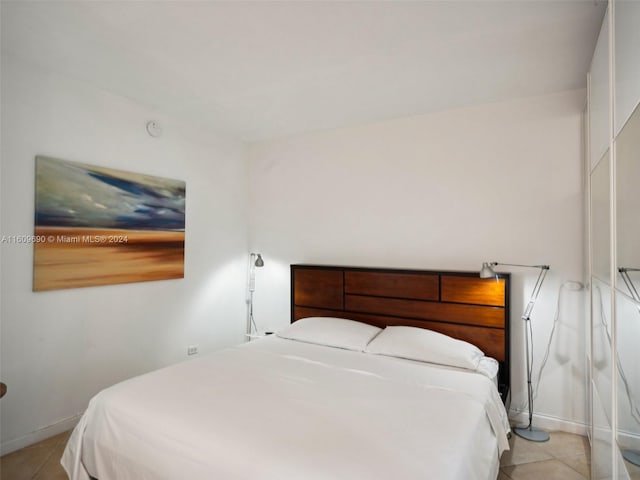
[[266, 69]]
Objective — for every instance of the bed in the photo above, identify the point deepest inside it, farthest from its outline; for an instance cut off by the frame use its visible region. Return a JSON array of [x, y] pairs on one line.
[[334, 396]]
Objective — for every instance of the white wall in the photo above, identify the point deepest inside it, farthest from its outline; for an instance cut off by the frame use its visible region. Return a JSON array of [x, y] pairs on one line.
[[496, 182], [444, 191], [60, 347]]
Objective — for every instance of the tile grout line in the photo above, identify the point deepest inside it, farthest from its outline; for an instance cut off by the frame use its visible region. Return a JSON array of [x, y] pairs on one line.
[[505, 474], [543, 461], [579, 473], [46, 460]]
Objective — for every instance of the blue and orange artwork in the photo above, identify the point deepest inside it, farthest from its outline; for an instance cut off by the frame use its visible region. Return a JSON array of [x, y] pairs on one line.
[[99, 226]]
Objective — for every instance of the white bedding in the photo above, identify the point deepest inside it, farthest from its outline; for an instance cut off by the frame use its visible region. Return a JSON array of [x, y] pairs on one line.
[[281, 409]]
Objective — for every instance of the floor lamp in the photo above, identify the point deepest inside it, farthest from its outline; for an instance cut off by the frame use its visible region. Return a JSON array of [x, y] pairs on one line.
[[255, 260], [487, 271], [632, 456]]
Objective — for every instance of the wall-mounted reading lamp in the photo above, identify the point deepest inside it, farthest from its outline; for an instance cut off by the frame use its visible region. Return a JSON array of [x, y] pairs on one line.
[[487, 271], [255, 260]]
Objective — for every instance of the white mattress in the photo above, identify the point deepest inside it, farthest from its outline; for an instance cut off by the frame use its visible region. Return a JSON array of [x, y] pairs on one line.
[[281, 409]]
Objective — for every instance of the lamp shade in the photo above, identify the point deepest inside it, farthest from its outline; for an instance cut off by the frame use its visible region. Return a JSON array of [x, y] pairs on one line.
[[487, 270]]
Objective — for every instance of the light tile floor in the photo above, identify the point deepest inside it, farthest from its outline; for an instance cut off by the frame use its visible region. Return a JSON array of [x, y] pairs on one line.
[[563, 457], [40, 461]]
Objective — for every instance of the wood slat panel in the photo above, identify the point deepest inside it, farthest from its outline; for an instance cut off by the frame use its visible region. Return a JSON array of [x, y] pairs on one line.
[[318, 288], [304, 312], [478, 291], [400, 285], [446, 312], [489, 340]]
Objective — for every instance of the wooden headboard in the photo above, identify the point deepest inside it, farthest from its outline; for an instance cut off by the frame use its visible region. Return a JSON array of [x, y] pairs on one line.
[[458, 304]]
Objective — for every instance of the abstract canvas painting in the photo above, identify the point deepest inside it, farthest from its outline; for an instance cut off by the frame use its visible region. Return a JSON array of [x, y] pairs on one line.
[[99, 226]]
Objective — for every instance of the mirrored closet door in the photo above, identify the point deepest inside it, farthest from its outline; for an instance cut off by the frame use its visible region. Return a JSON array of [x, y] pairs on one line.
[[627, 293], [614, 238], [601, 324]]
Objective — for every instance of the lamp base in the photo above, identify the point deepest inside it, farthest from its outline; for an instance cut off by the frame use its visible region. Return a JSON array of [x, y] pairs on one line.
[[631, 456], [531, 434]]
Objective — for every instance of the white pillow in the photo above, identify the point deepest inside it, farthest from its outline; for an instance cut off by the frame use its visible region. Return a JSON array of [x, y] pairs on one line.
[[489, 367], [425, 346], [333, 332]]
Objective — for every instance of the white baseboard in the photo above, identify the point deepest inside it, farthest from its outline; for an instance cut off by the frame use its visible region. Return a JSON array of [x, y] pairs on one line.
[[549, 423], [39, 435], [628, 440]]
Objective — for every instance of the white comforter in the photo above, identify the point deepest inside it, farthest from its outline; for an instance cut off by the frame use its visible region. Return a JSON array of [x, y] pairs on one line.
[[281, 409]]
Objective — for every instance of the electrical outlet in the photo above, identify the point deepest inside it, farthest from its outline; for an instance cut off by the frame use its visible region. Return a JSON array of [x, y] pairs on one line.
[[192, 349]]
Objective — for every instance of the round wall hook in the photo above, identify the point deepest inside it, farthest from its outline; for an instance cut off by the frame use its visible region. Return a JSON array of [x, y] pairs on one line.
[[153, 128]]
